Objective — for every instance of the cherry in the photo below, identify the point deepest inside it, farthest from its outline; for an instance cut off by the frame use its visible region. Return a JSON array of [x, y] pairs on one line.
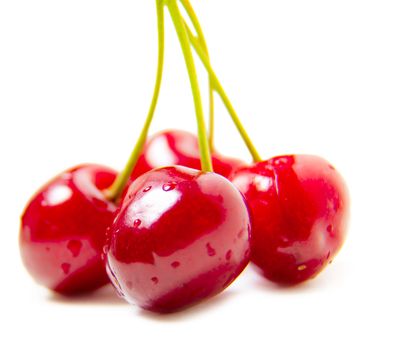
[[180, 236], [63, 230], [299, 209], [178, 147]]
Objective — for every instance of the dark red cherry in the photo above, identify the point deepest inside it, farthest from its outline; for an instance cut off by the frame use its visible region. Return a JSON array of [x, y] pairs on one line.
[[63, 230], [299, 208], [177, 147], [180, 236]]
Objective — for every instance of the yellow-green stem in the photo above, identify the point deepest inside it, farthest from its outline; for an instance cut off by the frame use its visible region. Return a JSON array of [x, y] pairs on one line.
[[115, 191], [183, 37], [197, 26], [220, 90]]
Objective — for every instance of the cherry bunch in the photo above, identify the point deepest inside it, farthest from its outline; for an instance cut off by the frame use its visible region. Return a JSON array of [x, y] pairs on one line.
[[168, 231]]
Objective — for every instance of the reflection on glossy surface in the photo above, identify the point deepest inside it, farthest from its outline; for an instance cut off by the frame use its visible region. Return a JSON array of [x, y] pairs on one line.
[[177, 147], [63, 230], [191, 243], [299, 206]]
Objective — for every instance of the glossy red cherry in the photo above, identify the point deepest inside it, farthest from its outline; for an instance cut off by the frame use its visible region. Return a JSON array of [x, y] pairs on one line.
[[299, 209], [177, 147], [180, 236], [63, 230]]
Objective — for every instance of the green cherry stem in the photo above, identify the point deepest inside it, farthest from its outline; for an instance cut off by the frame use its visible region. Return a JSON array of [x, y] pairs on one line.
[[197, 26], [183, 37], [114, 192], [220, 90]]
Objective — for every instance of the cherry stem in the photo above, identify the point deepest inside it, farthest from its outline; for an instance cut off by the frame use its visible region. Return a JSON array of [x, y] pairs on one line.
[[220, 90], [183, 37], [114, 192], [197, 26]]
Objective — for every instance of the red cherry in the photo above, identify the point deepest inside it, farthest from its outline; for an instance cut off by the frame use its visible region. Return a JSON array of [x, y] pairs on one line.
[[180, 236], [177, 147], [63, 230], [299, 209]]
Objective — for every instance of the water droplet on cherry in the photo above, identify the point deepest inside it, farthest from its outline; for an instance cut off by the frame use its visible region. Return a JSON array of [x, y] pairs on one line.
[[146, 189], [329, 228], [154, 280], [175, 264], [65, 268], [228, 254], [137, 222], [74, 246], [210, 250], [169, 186]]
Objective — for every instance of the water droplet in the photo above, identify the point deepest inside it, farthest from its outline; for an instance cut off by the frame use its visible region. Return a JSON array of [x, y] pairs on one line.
[[154, 280], [74, 247], [169, 186], [137, 222], [302, 267], [175, 264], [228, 254], [129, 285], [65, 268], [329, 228], [210, 250], [146, 189]]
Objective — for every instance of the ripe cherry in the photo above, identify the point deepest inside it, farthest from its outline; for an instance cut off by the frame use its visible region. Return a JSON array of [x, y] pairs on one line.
[[63, 230], [180, 236], [299, 209], [178, 147]]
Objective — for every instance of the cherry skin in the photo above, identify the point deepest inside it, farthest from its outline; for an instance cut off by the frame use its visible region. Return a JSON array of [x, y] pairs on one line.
[[178, 147], [63, 230], [299, 208], [180, 236]]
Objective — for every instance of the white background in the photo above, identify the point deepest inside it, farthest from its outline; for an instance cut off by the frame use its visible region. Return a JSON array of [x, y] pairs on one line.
[[333, 78]]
